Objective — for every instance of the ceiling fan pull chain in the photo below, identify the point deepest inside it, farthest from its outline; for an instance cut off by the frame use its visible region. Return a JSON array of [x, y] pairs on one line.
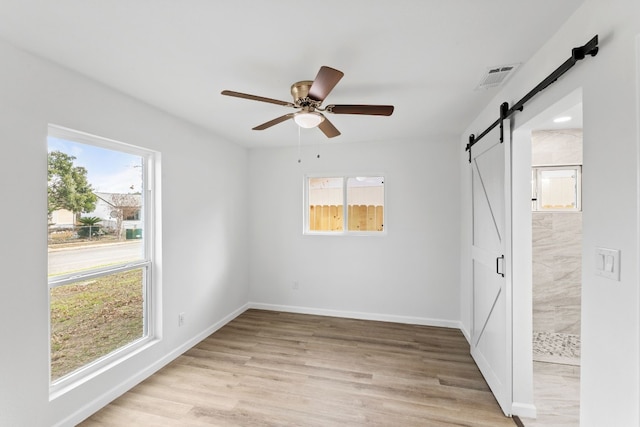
[[299, 149]]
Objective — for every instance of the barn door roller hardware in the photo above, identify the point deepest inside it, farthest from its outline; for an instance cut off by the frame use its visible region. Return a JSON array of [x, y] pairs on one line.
[[577, 54]]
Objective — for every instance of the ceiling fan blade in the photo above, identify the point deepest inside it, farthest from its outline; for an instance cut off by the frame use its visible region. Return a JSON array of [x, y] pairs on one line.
[[328, 128], [370, 110], [274, 122], [256, 98], [324, 83]]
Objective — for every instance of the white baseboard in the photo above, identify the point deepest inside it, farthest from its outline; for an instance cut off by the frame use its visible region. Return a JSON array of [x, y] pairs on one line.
[[117, 391], [359, 315], [466, 333], [524, 410]]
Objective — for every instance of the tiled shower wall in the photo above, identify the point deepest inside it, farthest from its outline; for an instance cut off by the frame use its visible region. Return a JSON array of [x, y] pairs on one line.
[[557, 267], [557, 242]]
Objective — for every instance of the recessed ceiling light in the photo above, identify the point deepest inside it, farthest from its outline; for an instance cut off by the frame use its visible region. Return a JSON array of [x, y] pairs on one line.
[[561, 119]]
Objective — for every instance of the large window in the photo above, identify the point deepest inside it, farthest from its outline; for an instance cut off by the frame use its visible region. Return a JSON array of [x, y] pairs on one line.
[[344, 205], [100, 234]]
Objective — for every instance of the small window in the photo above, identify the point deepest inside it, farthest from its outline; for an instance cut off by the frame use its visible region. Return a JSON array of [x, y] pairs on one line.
[[556, 188], [344, 205], [133, 215]]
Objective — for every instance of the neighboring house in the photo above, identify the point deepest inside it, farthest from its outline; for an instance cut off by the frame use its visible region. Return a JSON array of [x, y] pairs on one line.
[[110, 206], [62, 218]]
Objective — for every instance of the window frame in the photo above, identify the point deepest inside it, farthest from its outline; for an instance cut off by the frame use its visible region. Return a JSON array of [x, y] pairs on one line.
[[148, 215], [345, 208], [537, 187]]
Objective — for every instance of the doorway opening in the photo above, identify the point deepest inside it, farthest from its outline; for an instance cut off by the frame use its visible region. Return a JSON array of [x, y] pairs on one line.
[[557, 269], [555, 247]]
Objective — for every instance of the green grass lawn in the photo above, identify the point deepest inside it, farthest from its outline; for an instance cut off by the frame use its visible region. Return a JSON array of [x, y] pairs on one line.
[[91, 319]]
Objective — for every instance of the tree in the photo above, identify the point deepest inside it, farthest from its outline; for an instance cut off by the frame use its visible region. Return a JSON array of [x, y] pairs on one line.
[[125, 206], [68, 186], [90, 226]]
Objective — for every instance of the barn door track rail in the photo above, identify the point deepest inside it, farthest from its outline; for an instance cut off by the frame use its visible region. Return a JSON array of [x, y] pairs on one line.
[[577, 54]]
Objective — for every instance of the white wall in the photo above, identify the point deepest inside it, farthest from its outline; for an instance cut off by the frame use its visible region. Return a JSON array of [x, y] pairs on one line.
[[204, 231], [410, 274], [610, 323]]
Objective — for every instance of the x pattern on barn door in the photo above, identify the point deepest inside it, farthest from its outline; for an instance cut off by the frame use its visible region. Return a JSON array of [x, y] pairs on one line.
[[490, 340]]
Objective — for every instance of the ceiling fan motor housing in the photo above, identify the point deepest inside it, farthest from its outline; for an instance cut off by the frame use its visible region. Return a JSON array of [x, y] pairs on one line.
[[300, 93]]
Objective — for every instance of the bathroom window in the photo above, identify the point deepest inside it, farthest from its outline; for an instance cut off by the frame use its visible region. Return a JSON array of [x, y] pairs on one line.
[[556, 188]]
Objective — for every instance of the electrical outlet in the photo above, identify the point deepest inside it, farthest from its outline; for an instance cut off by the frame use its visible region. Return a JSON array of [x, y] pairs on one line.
[[180, 319], [295, 285]]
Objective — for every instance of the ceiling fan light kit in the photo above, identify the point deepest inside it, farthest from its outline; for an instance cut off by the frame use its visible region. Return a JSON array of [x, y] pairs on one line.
[[308, 120], [308, 96]]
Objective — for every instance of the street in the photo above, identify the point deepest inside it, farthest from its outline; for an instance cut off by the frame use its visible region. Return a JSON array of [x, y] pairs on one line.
[[68, 260]]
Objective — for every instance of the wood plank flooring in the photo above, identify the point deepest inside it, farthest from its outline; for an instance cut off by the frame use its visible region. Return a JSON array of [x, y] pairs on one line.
[[280, 369]]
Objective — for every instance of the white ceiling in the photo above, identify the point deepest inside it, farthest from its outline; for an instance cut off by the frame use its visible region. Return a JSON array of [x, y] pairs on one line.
[[424, 56]]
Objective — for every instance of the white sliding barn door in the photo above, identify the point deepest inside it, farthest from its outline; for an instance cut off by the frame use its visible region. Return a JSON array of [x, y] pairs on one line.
[[490, 257]]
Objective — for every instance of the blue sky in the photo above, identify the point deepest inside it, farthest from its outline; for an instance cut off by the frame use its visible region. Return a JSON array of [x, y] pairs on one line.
[[108, 171]]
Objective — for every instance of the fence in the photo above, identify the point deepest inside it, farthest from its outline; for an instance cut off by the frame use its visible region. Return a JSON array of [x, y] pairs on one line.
[[79, 233], [360, 218]]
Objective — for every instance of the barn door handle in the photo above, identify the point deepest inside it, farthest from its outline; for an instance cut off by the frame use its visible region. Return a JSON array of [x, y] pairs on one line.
[[501, 257]]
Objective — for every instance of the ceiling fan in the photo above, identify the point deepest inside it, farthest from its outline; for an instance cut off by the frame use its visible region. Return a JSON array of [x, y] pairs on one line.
[[307, 98]]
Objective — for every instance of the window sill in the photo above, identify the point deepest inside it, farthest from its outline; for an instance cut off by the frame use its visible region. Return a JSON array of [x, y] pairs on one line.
[[101, 366]]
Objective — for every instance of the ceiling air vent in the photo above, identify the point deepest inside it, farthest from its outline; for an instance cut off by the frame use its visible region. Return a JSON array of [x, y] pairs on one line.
[[496, 76]]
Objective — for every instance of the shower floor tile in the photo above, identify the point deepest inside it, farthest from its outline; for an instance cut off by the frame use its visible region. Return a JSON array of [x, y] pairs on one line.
[[556, 348]]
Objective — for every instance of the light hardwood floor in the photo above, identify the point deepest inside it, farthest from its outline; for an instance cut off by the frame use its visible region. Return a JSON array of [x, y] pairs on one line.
[[280, 369]]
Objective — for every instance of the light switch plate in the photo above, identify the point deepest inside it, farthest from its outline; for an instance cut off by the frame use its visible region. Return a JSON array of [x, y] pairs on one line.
[[607, 263]]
